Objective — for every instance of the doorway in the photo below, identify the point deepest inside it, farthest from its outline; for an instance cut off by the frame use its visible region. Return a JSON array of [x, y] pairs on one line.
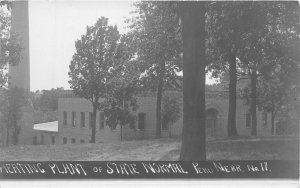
[[211, 121]]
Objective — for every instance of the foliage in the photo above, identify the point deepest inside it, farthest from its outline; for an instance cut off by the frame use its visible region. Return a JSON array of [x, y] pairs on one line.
[[49, 99], [93, 64], [45, 104], [158, 43], [8, 4], [286, 125], [120, 101], [45, 116], [263, 35], [226, 22], [119, 107], [10, 47], [156, 38], [45, 100], [11, 104], [271, 55]]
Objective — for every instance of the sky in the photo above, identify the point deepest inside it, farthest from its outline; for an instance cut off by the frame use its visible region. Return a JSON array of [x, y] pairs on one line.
[[55, 25], [54, 28]]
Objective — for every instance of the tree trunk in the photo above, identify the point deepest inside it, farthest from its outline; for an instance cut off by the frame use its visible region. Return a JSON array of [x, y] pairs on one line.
[[93, 139], [158, 105], [121, 126], [15, 131], [7, 132], [272, 122], [193, 35], [231, 122], [253, 103]]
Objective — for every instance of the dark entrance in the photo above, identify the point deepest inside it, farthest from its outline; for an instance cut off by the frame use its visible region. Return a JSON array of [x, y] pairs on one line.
[[211, 122]]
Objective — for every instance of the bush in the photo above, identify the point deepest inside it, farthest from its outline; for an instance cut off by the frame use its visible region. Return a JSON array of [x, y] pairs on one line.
[[287, 126]]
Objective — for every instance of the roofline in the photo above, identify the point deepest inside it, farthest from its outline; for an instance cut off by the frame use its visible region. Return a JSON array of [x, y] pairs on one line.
[[46, 131]]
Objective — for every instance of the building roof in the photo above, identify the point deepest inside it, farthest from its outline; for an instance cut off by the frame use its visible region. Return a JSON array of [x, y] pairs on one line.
[[211, 91], [48, 126], [67, 94]]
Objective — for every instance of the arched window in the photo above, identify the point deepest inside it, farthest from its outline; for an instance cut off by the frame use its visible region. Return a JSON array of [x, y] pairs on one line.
[[248, 119], [65, 118], [141, 121], [101, 120], [42, 139], [211, 118], [73, 119], [82, 114]]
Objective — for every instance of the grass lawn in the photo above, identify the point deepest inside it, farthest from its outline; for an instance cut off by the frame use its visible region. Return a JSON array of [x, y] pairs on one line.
[[157, 149]]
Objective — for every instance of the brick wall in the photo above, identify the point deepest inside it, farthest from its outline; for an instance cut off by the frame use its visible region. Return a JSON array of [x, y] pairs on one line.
[[221, 105], [45, 138], [147, 105], [81, 134]]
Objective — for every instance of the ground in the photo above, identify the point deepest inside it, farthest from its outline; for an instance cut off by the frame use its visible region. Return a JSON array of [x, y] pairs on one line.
[[157, 149]]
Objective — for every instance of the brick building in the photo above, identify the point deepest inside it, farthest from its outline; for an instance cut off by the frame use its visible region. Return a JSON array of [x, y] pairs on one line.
[[74, 119]]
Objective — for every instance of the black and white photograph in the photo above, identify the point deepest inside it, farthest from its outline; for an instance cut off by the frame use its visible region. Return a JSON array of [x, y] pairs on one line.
[[149, 89]]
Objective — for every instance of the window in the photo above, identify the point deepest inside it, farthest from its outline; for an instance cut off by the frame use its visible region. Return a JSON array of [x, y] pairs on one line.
[[211, 116], [265, 118], [53, 139], [82, 114], [141, 120], [210, 122], [113, 127], [73, 119], [164, 125], [65, 118], [248, 119], [73, 141], [42, 139], [101, 120], [91, 119], [64, 140], [82, 141]]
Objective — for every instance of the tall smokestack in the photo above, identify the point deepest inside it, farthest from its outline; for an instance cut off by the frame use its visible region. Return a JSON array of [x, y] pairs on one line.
[[20, 74]]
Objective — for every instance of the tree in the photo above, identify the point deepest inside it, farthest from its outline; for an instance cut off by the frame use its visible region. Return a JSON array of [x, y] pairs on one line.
[[12, 102], [119, 107], [193, 36], [279, 83], [12, 99], [273, 96], [120, 102], [273, 29], [158, 48], [225, 25], [48, 101], [250, 30], [252, 55], [45, 104], [10, 47], [92, 66]]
